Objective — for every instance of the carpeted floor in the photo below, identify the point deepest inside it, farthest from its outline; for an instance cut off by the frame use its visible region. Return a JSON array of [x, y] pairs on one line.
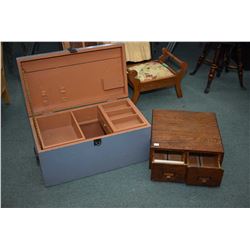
[[22, 184]]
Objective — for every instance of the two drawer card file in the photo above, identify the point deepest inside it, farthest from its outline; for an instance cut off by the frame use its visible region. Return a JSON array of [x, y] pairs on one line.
[[186, 147], [82, 120]]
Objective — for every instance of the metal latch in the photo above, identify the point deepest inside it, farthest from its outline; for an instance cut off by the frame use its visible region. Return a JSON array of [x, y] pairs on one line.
[[72, 50], [97, 142]]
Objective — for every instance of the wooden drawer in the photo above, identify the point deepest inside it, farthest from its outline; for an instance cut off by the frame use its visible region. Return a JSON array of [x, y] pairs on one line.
[[204, 170], [168, 172], [168, 166]]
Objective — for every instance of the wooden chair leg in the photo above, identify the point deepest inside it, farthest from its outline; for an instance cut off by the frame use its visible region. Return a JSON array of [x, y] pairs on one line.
[[178, 89], [136, 95]]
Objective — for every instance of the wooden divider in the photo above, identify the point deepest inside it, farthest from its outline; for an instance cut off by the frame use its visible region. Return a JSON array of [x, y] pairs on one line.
[[121, 115]]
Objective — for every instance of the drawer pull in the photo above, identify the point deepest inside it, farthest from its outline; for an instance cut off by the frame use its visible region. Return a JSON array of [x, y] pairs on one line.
[[168, 175], [204, 179]]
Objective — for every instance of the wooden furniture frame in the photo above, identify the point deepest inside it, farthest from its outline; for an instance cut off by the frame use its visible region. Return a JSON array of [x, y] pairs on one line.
[[174, 80], [186, 147], [4, 89]]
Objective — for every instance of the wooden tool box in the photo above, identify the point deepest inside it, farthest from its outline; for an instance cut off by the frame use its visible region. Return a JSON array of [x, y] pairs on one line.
[[186, 147], [82, 120]]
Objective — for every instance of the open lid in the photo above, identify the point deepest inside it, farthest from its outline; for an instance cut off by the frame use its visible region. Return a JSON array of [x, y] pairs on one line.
[[62, 80]]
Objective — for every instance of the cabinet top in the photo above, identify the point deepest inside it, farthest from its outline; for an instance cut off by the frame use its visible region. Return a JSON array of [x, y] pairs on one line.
[[186, 131]]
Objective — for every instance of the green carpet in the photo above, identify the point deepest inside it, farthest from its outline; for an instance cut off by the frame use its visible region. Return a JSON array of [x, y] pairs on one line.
[[22, 184]]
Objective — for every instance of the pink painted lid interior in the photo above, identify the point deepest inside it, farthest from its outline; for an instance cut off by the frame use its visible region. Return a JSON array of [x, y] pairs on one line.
[[62, 80]]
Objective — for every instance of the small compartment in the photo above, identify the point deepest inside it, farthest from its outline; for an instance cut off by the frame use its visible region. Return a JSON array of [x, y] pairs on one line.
[[122, 115], [194, 160], [168, 157], [116, 114], [58, 129], [204, 169], [209, 161], [115, 106], [203, 160], [127, 122], [91, 123], [160, 155]]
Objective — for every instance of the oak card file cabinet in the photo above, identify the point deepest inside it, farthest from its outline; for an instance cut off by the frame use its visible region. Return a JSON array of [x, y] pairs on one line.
[[186, 147], [82, 120]]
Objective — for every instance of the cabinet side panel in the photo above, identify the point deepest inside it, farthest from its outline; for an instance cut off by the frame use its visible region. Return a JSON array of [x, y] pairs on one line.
[[84, 159]]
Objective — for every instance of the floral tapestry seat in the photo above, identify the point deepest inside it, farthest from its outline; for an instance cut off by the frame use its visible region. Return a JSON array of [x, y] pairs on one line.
[[151, 71]]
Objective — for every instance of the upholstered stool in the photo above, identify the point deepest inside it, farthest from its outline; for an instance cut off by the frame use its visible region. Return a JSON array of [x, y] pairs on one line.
[[158, 74]]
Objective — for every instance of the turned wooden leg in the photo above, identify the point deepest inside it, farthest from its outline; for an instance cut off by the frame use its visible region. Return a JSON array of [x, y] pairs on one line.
[[213, 68], [221, 61], [240, 66], [136, 95], [178, 89], [228, 58], [35, 47], [202, 58]]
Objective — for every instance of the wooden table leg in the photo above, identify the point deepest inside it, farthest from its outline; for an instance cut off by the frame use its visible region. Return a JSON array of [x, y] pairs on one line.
[[228, 58], [221, 60], [240, 65], [202, 57], [213, 68]]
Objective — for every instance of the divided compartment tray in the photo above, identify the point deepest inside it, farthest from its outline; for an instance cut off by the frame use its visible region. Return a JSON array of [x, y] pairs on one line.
[[121, 115], [86, 123], [58, 129]]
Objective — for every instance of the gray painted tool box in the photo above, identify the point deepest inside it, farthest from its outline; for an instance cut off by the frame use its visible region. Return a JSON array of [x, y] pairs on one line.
[[82, 120]]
